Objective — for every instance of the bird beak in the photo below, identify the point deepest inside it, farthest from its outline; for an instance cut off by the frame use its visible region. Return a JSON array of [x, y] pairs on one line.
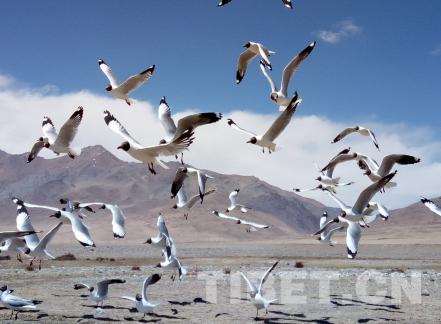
[[119, 147], [249, 141], [52, 215]]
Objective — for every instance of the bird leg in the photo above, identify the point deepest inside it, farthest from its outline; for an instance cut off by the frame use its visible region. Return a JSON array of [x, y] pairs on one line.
[[19, 258], [12, 314], [71, 155], [39, 265], [185, 216], [32, 262], [257, 314], [16, 315], [182, 158], [263, 150], [269, 150]]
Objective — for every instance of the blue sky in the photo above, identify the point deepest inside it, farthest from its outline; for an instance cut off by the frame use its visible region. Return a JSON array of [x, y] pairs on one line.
[[389, 70]]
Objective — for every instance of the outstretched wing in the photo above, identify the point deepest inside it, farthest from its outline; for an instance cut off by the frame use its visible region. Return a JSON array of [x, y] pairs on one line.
[[191, 122], [431, 205], [242, 64], [69, 129], [178, 181], [283, 120], [36, 148], [49, 130], [266, 75], [344, 133], [266, 274], [137, 80], [292, 67], [150, 280], [169, 149], [164, 115], [119, 129], [108, 72]]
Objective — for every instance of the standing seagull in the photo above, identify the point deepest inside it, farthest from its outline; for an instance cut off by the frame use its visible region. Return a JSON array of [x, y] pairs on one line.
[[100, 294], [186, 124], [79, 229], [357, 129], [280, 97], [185, 203], [182, 174], [267, 140], [431, 205], [118, 217], [58, 142], [233, 202], [256, 293], [122, 90], [252, 50], [148, 155], [15, 303], [142, 302]]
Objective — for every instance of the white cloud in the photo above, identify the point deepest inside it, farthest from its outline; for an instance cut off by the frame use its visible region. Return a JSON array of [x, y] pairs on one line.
[[342, 30], [222, 149], [437, 50]]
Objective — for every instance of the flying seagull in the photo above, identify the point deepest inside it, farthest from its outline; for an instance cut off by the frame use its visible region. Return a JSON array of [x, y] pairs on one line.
[[431, 205], [280, 96], [79, 229], [182, 174], [357, 211], [99, 294], [142, 303], [233, 202], [256, 294], [59, 143], [121, 91], [185, 203], [118, 217], [267, 140], [252, 50], [148, 155], [376, 172], [357, 129], [186, 124], [240, 221], [163, 238]]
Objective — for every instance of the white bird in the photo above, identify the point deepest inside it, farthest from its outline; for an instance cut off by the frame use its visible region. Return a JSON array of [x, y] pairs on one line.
[[142, 303], [376, 172], [148, 155], [15, 303], [357, 211], [121, 91], [280, 96], [171, 262], [375, 209], [256, 294], [118, 217], [252, 50], [326, 187], [58, 142], [431, 205], [241, 221], [186, 124], [182, 174], [233, 202], [357, 129], [267, 140], [326, 236], [187, 204], [79, 229], [99, 294], [163, 238]]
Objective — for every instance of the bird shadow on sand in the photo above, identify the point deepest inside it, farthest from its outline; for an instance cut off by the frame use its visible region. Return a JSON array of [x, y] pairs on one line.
[[92, 317], [106, 307], [276, 320], [354, 302], [381, 319], [197, 300], [299, 315], [153, 318]]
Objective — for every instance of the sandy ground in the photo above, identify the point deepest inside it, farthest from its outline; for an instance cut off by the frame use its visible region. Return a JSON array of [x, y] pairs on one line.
[[388, 283]]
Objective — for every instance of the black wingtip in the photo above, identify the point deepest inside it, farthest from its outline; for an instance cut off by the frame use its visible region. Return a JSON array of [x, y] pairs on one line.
[[108, 117], [230, 122], [101, 61], [425, 200]]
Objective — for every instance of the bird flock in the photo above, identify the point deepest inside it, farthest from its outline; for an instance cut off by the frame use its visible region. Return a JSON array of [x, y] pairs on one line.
[[179, 136]]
